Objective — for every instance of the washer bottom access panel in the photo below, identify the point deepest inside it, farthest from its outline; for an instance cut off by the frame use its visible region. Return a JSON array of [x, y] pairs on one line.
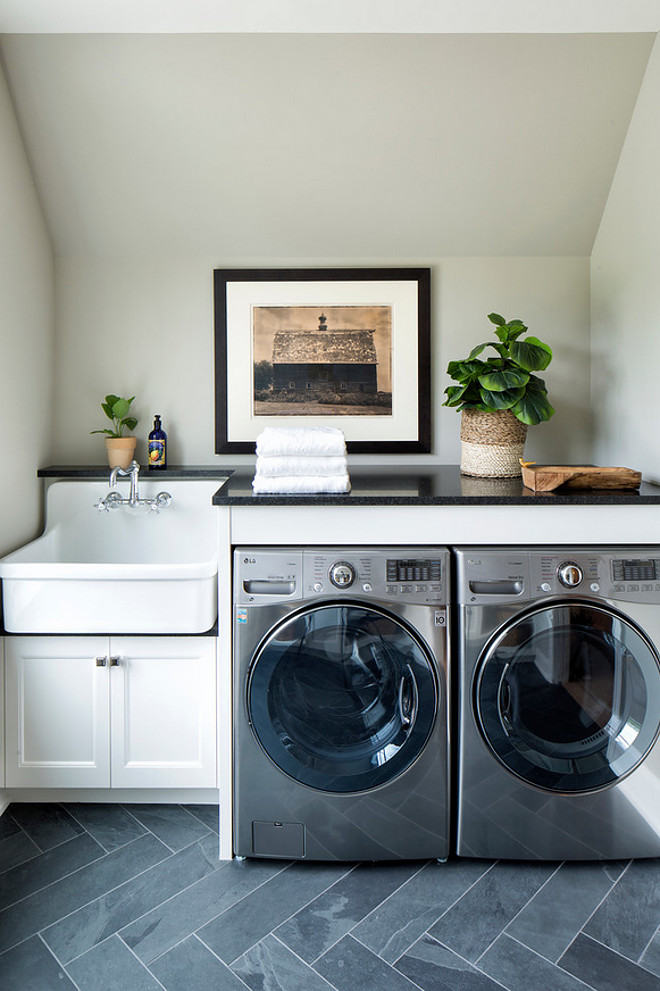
[[340, 703]]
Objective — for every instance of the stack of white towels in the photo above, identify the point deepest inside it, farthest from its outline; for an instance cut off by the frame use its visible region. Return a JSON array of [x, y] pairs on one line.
[[301, 459]]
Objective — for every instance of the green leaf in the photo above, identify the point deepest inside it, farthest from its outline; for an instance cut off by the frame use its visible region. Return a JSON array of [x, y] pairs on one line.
[[107, 409], [501, 400], [120, 408], [476, 351], [532, 354], [130, 422], [110, 433], [111, 399], [506, 378], [533, 407], [496, 319]]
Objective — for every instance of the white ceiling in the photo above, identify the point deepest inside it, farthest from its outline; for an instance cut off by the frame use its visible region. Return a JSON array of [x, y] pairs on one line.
[[342, 16], [324, 146]]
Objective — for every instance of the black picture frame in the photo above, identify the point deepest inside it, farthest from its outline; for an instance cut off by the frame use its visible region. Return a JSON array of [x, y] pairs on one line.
[[406, 429]]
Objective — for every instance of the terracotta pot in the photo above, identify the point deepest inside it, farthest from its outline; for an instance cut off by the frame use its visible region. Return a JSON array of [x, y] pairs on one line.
[[491, 443], [120, 451]]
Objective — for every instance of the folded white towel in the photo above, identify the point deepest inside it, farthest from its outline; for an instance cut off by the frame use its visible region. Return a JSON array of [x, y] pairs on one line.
[[262, 484], [299, 465], [308, 441]]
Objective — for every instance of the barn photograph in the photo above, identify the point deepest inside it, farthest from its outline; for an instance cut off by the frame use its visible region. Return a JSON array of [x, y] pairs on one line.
[[315, 360]]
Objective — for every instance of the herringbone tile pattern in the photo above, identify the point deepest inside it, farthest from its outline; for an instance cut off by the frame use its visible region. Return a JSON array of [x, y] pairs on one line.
[[133, 898]]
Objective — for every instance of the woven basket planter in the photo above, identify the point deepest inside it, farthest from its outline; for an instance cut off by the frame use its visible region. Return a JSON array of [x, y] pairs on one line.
[[492, 444]]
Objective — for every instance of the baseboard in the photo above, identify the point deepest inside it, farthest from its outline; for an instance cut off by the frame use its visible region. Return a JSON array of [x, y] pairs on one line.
[[123, 796]]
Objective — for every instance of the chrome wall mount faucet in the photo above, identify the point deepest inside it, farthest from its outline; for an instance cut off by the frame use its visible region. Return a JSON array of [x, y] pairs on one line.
[[113, 500]]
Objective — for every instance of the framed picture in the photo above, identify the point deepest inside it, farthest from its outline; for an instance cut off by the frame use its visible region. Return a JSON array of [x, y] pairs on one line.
[[348, 348]]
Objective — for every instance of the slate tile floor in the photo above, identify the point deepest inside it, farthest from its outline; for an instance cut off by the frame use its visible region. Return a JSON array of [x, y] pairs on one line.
[[133, 898]]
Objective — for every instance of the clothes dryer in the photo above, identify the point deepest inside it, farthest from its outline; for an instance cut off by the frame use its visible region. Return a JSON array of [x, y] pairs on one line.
[[559, 702], [340, 703]]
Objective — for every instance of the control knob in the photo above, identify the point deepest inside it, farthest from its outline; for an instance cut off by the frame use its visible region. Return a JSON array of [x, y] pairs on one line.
[[570, 574], [342, 574]]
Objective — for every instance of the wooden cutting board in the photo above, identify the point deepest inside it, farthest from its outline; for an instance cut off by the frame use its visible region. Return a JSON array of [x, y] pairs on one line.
[[546, 478]]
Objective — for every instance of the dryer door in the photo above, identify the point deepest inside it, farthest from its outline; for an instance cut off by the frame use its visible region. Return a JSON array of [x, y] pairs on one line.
[[342, 697], [567, 696]]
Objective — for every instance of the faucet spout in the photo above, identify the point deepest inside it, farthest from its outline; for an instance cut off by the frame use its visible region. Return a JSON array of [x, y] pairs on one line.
[[133, 471]]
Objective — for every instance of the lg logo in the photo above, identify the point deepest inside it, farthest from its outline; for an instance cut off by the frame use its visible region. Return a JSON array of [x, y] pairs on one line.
[[249, 560]]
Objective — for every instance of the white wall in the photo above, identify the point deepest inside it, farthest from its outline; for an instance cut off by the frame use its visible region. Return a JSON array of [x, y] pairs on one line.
[[145, 327], [26, 338], [625, 275]]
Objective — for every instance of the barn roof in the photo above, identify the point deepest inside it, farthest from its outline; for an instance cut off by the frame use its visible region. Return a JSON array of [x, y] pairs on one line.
[[324, 347]]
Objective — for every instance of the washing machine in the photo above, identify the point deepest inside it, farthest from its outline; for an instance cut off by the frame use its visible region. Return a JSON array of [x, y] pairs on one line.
[[340, 703], [559, 703]]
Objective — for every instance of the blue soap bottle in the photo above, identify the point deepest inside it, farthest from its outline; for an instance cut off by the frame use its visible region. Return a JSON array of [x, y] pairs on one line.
[[157, 445]]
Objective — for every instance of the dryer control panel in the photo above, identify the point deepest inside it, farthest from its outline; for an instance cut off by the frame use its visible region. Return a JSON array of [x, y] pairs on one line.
[[504, 575]]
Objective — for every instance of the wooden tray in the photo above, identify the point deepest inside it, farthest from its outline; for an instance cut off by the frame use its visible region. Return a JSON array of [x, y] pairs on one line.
[[546, 478]]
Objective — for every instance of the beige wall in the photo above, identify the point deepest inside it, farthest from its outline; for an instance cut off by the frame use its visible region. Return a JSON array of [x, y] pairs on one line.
[[26, 338], [145, 327], [626, 296]]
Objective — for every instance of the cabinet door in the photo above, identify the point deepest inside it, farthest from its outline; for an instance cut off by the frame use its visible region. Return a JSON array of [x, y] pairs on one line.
[[57, 719], [2, 713], [162, 701]]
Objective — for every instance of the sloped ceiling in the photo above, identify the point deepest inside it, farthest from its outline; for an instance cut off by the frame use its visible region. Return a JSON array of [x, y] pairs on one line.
[[324, 145]]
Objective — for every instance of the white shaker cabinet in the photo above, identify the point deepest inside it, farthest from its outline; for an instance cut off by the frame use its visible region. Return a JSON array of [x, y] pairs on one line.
[[118, 712]]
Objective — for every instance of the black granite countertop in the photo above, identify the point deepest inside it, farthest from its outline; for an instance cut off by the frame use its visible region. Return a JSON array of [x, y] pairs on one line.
[[102, 471], [432, 485]]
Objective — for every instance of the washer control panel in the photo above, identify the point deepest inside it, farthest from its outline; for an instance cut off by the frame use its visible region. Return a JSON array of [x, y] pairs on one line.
[[266, 575]]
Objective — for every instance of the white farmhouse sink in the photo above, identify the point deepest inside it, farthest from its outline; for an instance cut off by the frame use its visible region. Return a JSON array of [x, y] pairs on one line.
[[129, 570]]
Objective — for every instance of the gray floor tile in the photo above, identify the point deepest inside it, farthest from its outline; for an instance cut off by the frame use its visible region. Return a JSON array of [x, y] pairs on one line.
[[579, 889], [208, 814], [349, 965], [190, 966], [111, 966], [629, 916], [8, 825], [41, 909], [313, 930], [605, 970], [36, 873], [30, 967], [435, 968], [167, 925], [46, 825], [94, 922], [520, 969], [16, 849], [402, 918], [650, 959], [270, 964], [170, 823], [478, 918], [248, 921], [110, 825]]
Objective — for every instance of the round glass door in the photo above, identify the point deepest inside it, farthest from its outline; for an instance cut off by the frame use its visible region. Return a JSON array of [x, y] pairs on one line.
[[342, 697], [567, 696]]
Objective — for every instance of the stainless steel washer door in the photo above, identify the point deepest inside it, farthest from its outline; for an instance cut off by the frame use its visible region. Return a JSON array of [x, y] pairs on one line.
[[342, 697], [567, 696]]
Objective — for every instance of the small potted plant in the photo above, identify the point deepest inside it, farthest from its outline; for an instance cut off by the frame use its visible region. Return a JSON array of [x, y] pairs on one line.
[[499, 397], [120, 448]]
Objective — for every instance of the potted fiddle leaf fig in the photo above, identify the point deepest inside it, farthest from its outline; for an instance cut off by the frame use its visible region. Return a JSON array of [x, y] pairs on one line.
[[120, 448], [499, 397]]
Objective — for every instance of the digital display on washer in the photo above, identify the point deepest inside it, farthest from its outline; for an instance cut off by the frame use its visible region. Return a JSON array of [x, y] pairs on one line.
[[635, 570], [414, 571]]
